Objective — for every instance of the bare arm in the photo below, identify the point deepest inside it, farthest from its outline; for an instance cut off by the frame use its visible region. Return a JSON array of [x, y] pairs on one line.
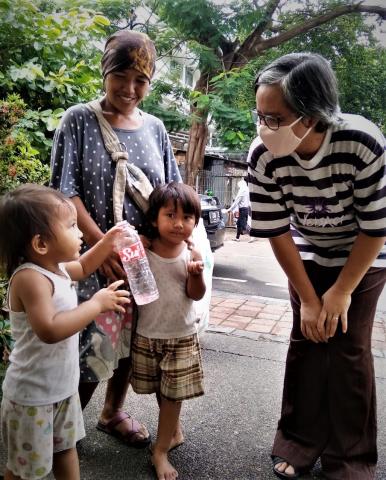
[[50, 326], [195, 286], [91, 232], [235, 203], [111, 267], [337, 299], [289, 259], [95, 256]]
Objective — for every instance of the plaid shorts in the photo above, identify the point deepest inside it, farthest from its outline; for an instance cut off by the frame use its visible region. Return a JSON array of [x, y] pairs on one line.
[[172, 367]]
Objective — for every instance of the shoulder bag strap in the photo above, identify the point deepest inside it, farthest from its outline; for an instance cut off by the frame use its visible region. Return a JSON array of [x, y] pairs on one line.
[[128, 178]]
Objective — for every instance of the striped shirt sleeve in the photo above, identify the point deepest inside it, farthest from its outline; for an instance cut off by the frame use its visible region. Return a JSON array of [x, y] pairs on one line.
[[370, 190], [270, 217]]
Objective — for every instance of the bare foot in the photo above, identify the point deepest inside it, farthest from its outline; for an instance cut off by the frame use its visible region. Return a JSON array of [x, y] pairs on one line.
[[164, 469], [177, 440], [285, 467]]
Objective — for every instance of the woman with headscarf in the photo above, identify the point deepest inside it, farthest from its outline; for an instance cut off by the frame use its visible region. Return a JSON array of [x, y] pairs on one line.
[[84, 171]]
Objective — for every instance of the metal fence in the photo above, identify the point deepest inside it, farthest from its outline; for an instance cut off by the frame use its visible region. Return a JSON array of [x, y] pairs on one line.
[[222, 180]]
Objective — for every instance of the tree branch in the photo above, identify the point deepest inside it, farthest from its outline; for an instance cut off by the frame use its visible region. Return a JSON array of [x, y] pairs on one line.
[[265, 21], [253, 38], [172, 49], [254, 44]]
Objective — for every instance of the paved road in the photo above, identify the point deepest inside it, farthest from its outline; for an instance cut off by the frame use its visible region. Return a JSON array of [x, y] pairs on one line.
[[262, 318], [249, 267]]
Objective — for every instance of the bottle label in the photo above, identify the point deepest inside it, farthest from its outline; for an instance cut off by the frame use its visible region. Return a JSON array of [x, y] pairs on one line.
[[132, 252]]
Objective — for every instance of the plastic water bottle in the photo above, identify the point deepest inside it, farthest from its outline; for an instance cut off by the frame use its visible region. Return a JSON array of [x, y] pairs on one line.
[[133, 257]]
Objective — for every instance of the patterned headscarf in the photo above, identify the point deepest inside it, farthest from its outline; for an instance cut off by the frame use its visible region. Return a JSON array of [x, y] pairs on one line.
[[127, 49]]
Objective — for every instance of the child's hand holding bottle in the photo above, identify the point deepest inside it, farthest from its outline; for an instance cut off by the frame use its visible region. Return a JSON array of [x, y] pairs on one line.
[[111, 268], [102, 256], [111, 236]]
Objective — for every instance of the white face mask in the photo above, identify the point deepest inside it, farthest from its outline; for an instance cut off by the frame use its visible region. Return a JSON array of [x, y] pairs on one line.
[[283, 141]]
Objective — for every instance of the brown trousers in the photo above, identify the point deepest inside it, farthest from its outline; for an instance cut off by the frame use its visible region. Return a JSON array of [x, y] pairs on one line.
[[329, 401]]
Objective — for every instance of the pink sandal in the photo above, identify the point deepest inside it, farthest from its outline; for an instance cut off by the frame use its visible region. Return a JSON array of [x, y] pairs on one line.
[[131, 437]]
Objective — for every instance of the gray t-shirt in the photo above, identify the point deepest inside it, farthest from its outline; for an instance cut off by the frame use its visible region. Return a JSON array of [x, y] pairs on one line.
[[81, 166], [173, 314]]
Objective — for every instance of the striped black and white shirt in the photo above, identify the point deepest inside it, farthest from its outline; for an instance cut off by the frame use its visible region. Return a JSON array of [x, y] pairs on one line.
[[327, 200]]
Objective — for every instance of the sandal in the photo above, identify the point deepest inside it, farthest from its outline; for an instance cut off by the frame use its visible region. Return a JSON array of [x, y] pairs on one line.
[[276, 460], [131, 437]]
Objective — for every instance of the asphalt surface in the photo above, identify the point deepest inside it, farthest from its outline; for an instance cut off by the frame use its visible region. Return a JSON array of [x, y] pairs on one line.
[[229, 431]]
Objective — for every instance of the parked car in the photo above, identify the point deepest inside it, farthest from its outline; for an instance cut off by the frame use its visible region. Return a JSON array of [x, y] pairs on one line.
[[214, 218]]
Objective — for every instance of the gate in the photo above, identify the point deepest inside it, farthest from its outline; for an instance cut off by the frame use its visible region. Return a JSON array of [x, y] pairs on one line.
[[222, 179]]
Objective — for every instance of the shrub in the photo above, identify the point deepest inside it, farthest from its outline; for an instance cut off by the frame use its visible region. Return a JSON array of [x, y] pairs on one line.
[[19, 161]]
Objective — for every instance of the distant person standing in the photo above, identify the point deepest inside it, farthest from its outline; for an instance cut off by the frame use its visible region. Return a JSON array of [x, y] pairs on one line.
[[317, 188], [242, 204]]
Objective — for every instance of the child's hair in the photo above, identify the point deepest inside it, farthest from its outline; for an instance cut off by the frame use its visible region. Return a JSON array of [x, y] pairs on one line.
[[27, 211], [178, 193]]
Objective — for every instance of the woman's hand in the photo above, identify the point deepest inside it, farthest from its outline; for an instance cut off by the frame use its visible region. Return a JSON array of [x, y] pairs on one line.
[[309, 315], [112, 268], [146, 242], [335, 305]]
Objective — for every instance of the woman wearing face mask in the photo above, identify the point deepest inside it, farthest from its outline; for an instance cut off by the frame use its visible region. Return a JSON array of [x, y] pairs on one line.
[[84, 171], [317, 190]]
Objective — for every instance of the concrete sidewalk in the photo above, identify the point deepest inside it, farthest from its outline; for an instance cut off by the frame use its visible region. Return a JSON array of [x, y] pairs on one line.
[[269, 319]]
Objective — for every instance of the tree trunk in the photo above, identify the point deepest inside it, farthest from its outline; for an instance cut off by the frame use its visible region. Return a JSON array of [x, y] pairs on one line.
[[195, 153], [198, 135]]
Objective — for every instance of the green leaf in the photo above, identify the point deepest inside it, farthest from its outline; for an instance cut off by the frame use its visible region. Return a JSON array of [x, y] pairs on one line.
[[52, 123], [37, 71], [58, 112], [101, 20]]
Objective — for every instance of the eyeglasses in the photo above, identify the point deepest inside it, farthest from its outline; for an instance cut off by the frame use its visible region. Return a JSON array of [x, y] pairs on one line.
[[273, 123]]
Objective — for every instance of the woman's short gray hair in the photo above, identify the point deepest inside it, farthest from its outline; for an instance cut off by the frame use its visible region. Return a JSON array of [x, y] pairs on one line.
[[308, 83]]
